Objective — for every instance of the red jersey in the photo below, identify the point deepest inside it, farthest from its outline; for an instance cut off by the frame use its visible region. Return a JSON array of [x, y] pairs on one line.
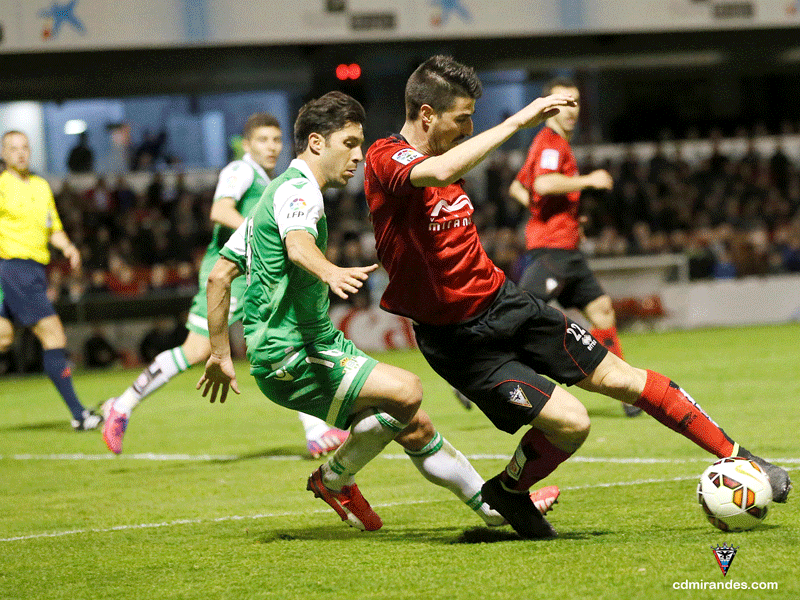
[[554, 219], [439, 273]]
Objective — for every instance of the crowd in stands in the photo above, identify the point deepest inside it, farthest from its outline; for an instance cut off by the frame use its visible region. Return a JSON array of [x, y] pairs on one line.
[[732, 216]]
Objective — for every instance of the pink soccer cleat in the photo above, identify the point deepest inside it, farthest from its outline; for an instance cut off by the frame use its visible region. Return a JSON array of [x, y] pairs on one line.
[[545, 498], [349, 504], [327, 442], [114, 428]]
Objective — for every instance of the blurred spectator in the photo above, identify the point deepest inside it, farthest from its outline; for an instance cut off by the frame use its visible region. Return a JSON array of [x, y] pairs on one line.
[[98, 351], [146, 156], [81, 157], [166, 333]]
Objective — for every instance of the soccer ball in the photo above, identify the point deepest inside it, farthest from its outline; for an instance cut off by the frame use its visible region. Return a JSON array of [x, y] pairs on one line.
[[734, 494]]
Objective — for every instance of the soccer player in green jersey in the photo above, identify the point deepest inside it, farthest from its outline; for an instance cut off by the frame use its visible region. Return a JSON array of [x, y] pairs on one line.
[[239, 189], [298, 358]]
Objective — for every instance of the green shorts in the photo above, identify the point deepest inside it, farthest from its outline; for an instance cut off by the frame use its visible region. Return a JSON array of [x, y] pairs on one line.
[[197, 320], [323, 379]]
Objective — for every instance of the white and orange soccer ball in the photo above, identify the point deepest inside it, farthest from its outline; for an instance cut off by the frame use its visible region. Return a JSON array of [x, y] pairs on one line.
[[734, 494]]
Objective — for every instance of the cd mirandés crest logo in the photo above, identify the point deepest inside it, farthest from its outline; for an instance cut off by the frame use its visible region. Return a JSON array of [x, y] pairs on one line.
[[724, 555]]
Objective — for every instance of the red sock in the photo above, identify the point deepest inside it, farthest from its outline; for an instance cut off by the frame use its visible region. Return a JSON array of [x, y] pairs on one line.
[[534, 459], [670, 405], [609, 339]]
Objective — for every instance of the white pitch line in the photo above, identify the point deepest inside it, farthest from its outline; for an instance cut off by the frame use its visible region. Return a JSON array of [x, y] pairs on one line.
[[294, 513]]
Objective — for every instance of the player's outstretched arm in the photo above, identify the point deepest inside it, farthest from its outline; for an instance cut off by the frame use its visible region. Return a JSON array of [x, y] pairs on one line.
[[303, 251], [442, 170], [219, 374], [224, 212], [558, 183]]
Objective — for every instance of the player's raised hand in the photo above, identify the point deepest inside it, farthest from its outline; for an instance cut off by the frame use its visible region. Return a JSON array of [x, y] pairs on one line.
[[542, 108], [344, 281], [218, 377]]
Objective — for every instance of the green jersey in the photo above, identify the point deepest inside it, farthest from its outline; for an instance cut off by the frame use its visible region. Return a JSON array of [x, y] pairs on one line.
[[243, 180], [285, 307]]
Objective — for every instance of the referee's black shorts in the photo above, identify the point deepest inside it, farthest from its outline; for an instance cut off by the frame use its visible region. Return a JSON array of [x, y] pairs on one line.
[[564, 275], [24, 286], [502, 359]]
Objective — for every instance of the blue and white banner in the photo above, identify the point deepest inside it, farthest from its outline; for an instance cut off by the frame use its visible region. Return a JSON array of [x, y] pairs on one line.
[[48, 25]]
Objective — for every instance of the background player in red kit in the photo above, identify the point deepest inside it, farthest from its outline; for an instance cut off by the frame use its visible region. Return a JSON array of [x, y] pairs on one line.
[[550, 186], [495, 343]]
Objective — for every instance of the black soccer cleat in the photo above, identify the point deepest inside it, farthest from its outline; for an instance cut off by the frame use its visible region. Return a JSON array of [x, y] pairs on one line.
[[631, 410], [518, 510], [778, 477]]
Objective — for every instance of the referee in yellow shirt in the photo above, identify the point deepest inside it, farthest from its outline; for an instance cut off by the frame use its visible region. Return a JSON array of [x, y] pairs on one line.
[[28, 222]]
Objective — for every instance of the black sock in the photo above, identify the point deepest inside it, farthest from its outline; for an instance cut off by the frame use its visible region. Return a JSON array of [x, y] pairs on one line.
[[55, 365]]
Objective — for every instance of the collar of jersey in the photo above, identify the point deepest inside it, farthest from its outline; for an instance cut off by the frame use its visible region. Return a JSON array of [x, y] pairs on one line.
[[302, 166], [258, 168]]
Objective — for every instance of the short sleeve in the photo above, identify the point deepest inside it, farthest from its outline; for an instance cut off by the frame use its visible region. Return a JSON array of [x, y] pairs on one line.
[[234, 180], [235, 249], [392, 165], [54, 221], [298, 204]]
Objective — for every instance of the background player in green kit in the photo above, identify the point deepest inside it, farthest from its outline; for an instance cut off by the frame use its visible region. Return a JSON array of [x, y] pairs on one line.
[[298, 358], [239, 189]]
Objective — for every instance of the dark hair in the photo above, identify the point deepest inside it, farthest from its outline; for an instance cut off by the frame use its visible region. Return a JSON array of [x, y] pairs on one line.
[[325, 115], [564, 82], [438, 82], [259, 120]]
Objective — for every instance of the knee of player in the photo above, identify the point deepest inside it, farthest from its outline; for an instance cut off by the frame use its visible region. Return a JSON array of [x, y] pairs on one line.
[[407, 395], [6, 339], [618, 379], [410, 389], [575, 426], [418, 433]]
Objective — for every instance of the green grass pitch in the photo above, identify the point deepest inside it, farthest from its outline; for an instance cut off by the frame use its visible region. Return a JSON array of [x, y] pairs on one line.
[[209, 501]]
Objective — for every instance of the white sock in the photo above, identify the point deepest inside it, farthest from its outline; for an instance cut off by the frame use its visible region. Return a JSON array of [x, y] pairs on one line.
[[370, 433], [315, 428], [165, 366], [440, 463]]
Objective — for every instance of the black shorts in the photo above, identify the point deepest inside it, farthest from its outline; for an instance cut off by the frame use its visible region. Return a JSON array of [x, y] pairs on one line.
[[502, 359], [564, 275], [24, 286]]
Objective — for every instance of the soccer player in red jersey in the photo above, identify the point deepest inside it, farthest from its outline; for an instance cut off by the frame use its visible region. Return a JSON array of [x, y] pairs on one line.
[[492, 341], [549, 185]]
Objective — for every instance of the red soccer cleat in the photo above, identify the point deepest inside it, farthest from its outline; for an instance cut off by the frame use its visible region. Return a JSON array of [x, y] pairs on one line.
[[349, 504]]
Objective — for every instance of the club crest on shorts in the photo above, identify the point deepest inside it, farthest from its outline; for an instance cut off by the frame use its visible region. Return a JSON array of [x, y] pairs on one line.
[[724, 555], [518, 397]]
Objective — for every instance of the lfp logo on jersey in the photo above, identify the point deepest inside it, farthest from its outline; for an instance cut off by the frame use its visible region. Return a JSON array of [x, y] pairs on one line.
[[57, 15]]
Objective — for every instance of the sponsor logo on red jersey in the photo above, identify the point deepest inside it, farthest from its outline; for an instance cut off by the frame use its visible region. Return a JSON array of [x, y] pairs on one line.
[[462, 202]]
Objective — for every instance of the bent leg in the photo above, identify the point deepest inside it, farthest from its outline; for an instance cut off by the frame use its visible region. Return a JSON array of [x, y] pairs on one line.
[[442, 464], [556, 433], [662, 399], [600, 313], [385, 405], [166, 365]]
